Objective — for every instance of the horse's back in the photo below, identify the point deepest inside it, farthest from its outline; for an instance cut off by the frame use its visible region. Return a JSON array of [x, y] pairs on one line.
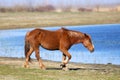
[[50, 39], [47, 39]]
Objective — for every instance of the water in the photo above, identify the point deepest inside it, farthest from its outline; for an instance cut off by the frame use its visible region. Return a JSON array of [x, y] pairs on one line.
[[106, 39]]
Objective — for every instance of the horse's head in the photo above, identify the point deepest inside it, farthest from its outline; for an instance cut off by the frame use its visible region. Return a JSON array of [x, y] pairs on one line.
[[88, 43]]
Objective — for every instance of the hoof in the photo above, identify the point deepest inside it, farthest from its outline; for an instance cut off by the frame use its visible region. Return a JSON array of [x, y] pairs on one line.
[[65, 69], [43, 67], [62, 65], [26, 66]]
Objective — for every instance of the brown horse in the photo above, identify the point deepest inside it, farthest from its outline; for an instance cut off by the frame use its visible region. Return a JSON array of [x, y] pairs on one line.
[[61, 39]]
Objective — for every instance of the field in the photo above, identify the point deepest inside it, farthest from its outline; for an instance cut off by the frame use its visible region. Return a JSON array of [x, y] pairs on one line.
[[11, 20], [11, 68]]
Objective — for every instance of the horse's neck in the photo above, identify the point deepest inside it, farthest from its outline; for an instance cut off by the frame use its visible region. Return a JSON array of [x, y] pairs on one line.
[[73, 34], [76, 37]]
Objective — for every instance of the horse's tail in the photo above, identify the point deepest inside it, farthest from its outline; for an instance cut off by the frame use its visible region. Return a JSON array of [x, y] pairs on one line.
[[27, 46]]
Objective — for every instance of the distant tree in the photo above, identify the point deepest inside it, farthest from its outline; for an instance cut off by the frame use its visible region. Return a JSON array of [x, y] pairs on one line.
[[30, 5], [46, 8], [97, 7]]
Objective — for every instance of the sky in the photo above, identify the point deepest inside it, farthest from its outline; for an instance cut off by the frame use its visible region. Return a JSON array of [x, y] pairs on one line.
[[73, 3]]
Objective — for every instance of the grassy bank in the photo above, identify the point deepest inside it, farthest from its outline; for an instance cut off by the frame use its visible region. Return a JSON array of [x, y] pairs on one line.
[[11, 20], [11, 68]]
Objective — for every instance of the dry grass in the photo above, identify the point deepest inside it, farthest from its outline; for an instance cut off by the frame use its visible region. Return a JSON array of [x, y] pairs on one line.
[[11, 68], [11, 20]]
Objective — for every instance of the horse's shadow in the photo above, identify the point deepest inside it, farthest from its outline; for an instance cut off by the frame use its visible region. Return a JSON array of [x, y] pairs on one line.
[[53, 68], [75, 69]]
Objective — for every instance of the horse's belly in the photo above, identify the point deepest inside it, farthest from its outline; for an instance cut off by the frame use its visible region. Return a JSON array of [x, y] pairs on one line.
[[51, 46]]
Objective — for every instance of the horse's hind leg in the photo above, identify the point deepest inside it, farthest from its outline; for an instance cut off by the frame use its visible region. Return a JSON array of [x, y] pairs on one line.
[[39, 59], [26, 64]]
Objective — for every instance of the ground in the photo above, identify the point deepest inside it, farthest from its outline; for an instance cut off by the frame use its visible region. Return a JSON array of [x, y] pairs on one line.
[[12, 69], [12, 20]]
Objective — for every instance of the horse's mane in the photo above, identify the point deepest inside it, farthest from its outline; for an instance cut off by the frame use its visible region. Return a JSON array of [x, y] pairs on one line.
[[73, 33], [64, 28]]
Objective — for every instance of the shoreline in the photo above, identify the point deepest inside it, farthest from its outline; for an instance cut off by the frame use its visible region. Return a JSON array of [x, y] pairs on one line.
[[44, 60]]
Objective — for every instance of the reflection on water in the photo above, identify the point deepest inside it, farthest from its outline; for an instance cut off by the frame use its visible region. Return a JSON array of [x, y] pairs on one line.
[[106, 39]]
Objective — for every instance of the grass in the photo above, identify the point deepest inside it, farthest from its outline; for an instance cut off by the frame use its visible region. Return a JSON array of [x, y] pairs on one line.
[[12, 73], [10, 69], [11, 20]]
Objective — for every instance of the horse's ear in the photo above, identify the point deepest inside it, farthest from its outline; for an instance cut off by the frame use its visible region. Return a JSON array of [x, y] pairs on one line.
[[63, 28], [86, 35]]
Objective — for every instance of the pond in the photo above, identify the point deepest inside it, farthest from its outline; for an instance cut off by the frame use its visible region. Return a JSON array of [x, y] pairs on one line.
[[106, 39]]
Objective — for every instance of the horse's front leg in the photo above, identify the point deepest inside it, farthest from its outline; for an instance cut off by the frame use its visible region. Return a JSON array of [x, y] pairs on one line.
[[65, 60], [39, 59], [68, 55]]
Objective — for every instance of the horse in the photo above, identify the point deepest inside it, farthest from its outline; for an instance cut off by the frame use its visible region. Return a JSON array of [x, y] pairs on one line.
[[61, 39]]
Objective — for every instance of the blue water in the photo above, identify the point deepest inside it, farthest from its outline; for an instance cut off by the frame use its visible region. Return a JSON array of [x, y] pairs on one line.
[[106, 39]]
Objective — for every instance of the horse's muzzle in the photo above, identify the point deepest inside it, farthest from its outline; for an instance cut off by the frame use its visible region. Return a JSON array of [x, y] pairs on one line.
[[92, 50]]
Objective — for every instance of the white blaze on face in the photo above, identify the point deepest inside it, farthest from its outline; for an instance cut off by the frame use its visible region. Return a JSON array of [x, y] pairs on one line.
[[93, 45]]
